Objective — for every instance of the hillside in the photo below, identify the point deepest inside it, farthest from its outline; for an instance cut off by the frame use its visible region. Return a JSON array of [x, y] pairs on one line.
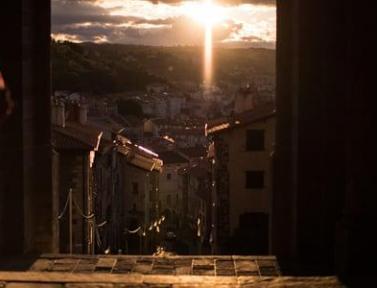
[[113, 68]]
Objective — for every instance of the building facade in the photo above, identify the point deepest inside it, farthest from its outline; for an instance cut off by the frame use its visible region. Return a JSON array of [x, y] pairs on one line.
[[243, 180]]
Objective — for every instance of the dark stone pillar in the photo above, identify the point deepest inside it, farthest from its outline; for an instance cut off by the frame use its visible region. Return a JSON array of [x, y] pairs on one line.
[[25, 165], [11, 160], [324, 201]]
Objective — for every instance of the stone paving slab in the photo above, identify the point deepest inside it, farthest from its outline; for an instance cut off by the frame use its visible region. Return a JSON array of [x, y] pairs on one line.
[[42, 265], [143, 269], [225, 272], [183, 270], [245, 265], [211, 265]]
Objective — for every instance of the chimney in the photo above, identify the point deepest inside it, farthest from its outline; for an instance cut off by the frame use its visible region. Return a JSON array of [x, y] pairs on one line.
[[58, 114]]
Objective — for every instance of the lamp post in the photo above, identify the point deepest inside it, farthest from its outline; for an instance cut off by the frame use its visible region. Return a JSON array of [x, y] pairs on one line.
[[199, 235], [70, 222]]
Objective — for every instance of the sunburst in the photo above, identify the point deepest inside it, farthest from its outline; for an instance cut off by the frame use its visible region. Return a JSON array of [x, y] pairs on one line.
[[208, 14]]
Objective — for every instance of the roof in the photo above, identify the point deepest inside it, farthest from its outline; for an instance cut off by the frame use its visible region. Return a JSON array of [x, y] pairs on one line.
[[224, 124], [66, 142], [172, 157], [76, 136], [140, 157]]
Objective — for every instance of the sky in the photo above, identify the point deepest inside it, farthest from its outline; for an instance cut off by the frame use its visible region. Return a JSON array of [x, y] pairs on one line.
[[234, 23]]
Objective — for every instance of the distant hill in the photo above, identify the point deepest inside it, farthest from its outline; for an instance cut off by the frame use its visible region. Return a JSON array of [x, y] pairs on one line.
[[114, 68]]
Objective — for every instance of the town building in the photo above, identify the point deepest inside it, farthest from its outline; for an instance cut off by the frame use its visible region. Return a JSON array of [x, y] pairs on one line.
[[171, 190], [242, 156], [75, 146], [126, 190], [112, 182], [185, 134], [139, 181]]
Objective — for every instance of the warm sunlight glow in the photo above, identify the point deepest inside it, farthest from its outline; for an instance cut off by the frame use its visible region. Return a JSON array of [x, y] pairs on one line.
[[205, 12], [208, 56], [208, 14]]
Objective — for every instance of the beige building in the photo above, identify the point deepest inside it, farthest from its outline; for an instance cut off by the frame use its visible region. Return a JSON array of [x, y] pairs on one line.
[[243, 150]]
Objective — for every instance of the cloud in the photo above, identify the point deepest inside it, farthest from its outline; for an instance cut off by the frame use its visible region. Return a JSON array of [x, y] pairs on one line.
[[70, 12], [225, 2], [85, 21], [181, 31]]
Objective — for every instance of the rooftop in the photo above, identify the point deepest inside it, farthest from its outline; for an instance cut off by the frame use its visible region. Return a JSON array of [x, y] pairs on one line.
[[224, 123], [76, 136]]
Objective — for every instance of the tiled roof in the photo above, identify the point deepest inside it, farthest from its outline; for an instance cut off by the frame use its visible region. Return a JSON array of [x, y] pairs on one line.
[[141, 157], [257, 114], [76, 136], [65, 142]]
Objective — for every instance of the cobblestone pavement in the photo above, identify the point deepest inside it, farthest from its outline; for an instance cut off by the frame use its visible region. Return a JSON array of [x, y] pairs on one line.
[[116, 271], [154, 265]]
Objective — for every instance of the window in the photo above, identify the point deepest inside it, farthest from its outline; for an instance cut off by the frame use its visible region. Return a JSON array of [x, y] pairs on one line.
[[168, 176], [254, 179], [255, 140], [135, 188]]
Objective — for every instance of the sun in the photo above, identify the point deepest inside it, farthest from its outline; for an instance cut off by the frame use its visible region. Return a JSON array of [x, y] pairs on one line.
[[205, 12], [208, 14]]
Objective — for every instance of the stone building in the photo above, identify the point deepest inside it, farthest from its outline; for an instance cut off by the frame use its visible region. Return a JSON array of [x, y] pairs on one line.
[[75, 145], [140, 169], [243, 180], [125, 191]]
